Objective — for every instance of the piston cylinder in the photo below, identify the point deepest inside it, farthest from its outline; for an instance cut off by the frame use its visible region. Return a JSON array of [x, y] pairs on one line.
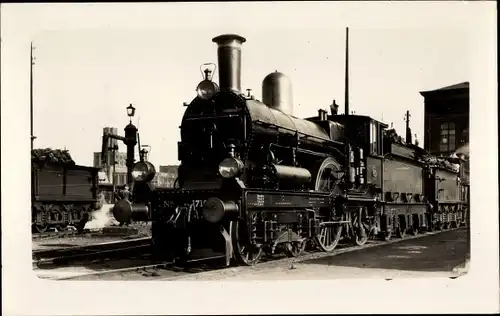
[[124, 211], [214, 209], [229, 60]]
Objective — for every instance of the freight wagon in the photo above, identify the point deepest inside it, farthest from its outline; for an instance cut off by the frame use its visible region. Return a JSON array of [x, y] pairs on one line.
[[62, 194]]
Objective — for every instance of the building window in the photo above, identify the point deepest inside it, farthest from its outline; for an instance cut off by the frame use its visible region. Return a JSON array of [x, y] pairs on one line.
[[465, 136], [373, 138], [447, 137], [121, 179]]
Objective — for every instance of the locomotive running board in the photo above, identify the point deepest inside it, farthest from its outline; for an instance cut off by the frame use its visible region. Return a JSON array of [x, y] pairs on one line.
[[334, 223]]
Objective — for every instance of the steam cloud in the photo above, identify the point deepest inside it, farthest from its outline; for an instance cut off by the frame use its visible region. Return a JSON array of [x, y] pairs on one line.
[[103, 217]]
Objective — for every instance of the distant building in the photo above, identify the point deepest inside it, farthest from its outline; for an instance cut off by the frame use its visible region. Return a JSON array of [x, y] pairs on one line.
[[446, 119], [120, 168], [169, 169], [165, 177]]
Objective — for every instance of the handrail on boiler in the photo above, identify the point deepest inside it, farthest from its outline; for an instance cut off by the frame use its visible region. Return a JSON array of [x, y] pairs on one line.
[[299, 133]]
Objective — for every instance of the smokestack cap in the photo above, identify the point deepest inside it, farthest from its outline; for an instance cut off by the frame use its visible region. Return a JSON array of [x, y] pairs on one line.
[[228, 39]]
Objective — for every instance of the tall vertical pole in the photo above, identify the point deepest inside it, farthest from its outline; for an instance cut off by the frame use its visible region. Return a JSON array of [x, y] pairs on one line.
[[113, 172], [32, 62], [346, 71]]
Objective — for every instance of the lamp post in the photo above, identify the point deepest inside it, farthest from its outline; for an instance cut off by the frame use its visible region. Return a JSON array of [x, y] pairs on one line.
[[130, 141], [130, 112], [114, 149]]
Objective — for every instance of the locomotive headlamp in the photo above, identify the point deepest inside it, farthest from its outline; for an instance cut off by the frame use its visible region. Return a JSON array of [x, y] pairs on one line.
[[143, 171], [206, 89], [230, 167]]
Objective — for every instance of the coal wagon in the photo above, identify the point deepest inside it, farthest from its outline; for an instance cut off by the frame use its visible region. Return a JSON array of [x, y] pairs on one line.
[[63, 193]]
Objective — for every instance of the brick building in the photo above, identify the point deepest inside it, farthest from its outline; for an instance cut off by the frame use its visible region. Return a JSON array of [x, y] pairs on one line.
[[446, 121], [120, 168]]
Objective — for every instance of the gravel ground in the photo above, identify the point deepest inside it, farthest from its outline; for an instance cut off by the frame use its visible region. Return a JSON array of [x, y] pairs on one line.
[[440, 255], [89, 268], [143, 230]]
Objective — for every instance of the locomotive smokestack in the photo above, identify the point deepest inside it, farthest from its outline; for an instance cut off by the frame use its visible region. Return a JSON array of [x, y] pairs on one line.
[[229, 59]]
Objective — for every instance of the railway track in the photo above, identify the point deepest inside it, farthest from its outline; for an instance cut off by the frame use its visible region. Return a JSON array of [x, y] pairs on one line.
[[69, 232], [56, 234], [89, 252], [131, 260]]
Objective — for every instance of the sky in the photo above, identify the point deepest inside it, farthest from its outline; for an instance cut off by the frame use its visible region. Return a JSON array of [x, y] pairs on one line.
[[84, 79]]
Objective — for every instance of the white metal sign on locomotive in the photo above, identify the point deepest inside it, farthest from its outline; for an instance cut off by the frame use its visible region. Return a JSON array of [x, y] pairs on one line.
[[254, 179]]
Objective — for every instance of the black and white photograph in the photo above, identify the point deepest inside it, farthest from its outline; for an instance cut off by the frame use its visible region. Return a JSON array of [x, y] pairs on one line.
[[266, 157]]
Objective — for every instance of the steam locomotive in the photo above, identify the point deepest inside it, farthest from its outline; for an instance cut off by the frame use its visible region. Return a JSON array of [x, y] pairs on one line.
[[255, 180]]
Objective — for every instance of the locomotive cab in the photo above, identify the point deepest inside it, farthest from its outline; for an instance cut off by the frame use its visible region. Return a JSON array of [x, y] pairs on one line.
[[363, 132]]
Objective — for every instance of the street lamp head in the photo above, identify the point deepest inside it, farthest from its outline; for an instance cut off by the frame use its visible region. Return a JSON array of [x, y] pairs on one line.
[[130, 111]]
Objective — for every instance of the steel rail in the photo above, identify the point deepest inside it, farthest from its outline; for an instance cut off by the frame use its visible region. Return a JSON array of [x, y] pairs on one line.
[[79, 251]]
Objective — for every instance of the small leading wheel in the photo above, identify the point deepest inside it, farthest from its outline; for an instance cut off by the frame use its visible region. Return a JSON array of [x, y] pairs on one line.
[[328, 237], [245, 252], [297, 248]]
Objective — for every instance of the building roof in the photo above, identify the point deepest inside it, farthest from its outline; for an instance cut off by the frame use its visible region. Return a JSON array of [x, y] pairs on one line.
[[458, 86]]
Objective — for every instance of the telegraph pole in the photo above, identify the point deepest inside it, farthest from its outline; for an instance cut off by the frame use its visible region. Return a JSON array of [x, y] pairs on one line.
[[346, 112], [32, 62]]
